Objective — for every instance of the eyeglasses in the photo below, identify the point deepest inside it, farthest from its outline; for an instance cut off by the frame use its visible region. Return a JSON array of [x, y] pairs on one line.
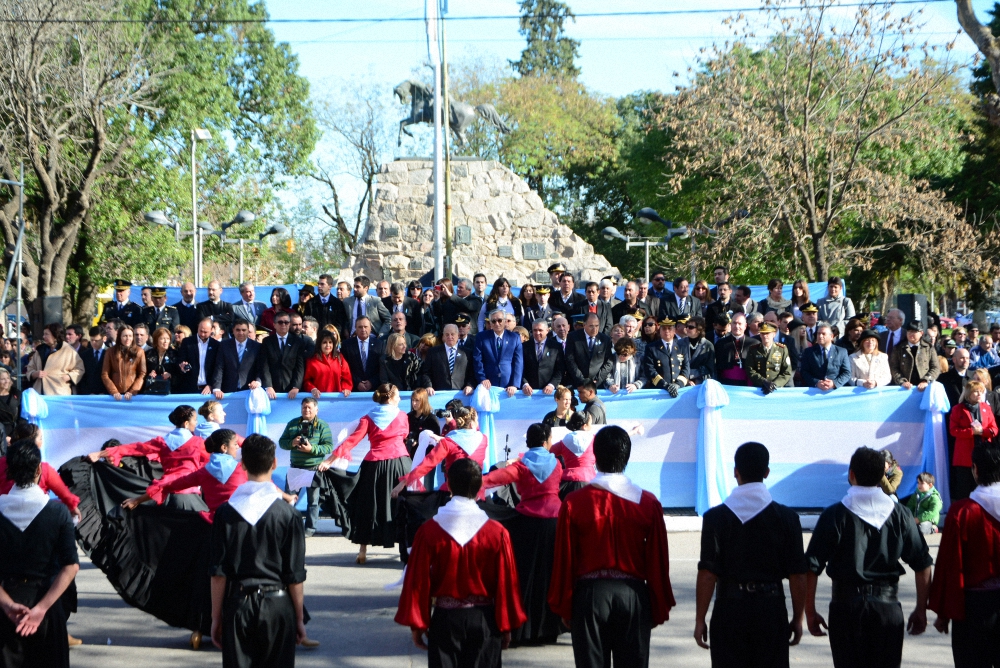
[[282, 322], [690, 326], [496, 321], [649, 324]]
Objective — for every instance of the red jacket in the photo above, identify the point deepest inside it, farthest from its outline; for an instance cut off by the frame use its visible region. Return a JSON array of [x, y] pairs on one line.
[[969, 555], [387, 444], [214, 492], [600, 531], [449, 452], [49, 482], [538, 499], [960, 426], [579, 468], [188, 458], [482, 567], [327, 374]]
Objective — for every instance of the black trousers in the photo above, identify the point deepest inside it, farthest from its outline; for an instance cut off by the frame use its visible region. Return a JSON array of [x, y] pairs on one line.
[[975, 640], [258, 631], [962, 482], [749, 632], [866, 632], [464, 638], [611, 621], [48, 646]]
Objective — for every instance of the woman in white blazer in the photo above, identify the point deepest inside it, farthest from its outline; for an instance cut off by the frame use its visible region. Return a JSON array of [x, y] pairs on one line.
[[869, 366]]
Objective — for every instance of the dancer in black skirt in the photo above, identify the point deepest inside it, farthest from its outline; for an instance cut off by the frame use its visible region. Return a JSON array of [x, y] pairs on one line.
[[532, 530], [38, 562], [576, 449], [370, 506]]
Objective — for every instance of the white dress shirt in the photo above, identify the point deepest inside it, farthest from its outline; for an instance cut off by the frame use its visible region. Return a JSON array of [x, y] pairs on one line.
[[202, 352]]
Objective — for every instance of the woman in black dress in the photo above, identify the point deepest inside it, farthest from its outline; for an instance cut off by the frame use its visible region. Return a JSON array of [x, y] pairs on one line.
[[702, 351], [400, 367], [161, 364], [10, 403], [564, 408]]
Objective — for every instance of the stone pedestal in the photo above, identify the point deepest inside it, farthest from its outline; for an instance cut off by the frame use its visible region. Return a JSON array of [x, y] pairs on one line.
[[499, 225]]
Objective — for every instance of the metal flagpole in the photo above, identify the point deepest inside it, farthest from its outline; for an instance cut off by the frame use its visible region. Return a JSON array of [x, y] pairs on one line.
[[433, 13], [449, 266]]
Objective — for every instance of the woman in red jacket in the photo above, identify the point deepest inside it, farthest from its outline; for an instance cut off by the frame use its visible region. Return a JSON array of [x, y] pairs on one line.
[[327, 370], [971, 423]]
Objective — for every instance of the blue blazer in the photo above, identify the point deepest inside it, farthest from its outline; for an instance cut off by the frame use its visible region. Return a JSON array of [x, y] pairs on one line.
[[232, 375], [505, 371], [837, 369]]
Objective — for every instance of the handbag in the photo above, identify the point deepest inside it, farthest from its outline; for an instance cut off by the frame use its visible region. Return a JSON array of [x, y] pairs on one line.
[[159, 386]]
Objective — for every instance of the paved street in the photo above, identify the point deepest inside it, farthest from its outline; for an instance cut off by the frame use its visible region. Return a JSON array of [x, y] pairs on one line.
[[352, 617]]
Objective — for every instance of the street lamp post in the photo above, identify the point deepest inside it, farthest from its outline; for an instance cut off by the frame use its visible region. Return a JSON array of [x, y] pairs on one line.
[[160, 218], [197, 134], [646, 215], [247, 217]]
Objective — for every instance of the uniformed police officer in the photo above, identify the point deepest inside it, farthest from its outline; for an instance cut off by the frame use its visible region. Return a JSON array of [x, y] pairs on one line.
[[540, 312], [128, 312], [159, 314], [666, 362], [768, 364]]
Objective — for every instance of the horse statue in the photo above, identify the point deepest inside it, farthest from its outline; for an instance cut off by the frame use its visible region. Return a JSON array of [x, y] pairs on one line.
[[460, 114]]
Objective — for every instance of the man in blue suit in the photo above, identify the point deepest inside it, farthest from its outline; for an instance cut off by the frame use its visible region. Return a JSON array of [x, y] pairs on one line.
[[824, 365], [237, 364], [497, 355]]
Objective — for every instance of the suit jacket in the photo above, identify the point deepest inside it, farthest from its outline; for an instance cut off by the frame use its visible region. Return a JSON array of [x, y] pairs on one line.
[[374, 309], [549, 370], [169, 318], [662, 369], [603, 312], [883, 340], [221, 313], [446, 310], [411, 339], [188, 382], [503, 370], [923, 367], [622, 308], [231, 374], [837, 367], [412, 310], [187, 315], [130, 313], [582, 364], [282, 369], [716, 308], [533, 314], [566, 306], [954, 384], [352, 353], [242, 311], [670, 308], [93, 361], [434, 371], [333, 312]]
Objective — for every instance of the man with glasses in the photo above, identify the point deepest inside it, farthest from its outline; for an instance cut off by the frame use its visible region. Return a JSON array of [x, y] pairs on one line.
[[282, 363], [497, 357]]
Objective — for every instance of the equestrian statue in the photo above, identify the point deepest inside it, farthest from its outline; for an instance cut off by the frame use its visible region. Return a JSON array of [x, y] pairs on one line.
[[460, 117]]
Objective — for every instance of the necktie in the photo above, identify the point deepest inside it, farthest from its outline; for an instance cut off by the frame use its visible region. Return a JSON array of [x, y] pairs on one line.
[[826, 357], [499, 343], [889, 343], [593, 308], [811, 335], [539, 347], [590, 343], [358, 310], [157, 315], [364, 354], [239, 351], [281, 343], [451, 360]]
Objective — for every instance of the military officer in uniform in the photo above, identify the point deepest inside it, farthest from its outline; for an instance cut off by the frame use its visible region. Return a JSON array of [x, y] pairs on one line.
[[541, 312], [768, 364], [128, 312], [159, 314], [555, 275], [666, 361]]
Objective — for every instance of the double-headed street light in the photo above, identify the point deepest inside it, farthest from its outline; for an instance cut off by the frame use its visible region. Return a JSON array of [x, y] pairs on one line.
[[245, 217]]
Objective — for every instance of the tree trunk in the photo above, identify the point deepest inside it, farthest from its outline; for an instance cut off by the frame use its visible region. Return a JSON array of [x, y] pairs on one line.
[[819, 253]]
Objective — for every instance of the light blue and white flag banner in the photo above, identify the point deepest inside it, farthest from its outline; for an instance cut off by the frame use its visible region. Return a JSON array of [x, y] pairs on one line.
[[684, 456]]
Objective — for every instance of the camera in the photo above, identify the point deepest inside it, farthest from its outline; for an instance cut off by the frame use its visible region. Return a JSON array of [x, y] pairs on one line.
[[442, 414]]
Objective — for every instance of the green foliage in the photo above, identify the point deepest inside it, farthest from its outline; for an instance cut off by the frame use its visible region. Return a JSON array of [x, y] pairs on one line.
[[548, 51]]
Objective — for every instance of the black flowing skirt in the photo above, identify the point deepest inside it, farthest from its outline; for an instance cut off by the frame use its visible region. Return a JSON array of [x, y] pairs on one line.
[[534, 540], [335, 488], [568, 486], [371, 507], [156, 557], [412, 510]]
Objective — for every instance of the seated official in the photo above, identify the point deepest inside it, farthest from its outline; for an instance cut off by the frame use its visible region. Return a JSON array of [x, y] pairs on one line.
[[869, 366], [824, 365], [914, 362]]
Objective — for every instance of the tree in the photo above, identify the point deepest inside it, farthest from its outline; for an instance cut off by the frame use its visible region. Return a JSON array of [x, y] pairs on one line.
[[826, 136], [988, 44], [548, 51]]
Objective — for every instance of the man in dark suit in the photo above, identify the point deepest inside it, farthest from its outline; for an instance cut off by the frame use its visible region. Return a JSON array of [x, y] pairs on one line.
[[466, 337], [159, 314], [398, 302], [187, 307], [667, 361], [216, 309], [326, 308], [93, 359], [120, 307], [282, 359], [894, 334], [448, 366], [566, 299], [824, 365], [361, 304], [237, 364], [954, 379], [497, 357], [364, 354], [544, 362], [589, 354], [593, 304], [721, 275], [398, 326], [723, 304], [196, 360], [629, 305], [679, 302], [248, 308]]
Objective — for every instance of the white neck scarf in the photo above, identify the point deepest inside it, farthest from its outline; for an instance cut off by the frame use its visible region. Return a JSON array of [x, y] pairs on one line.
[[22, 504], [987, 496], [748, 500], [252, 499], [619, 485], [461, 518], [870, 504]]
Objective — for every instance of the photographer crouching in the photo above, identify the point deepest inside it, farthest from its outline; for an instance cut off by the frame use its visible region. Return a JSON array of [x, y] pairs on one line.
[[310, 441]]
